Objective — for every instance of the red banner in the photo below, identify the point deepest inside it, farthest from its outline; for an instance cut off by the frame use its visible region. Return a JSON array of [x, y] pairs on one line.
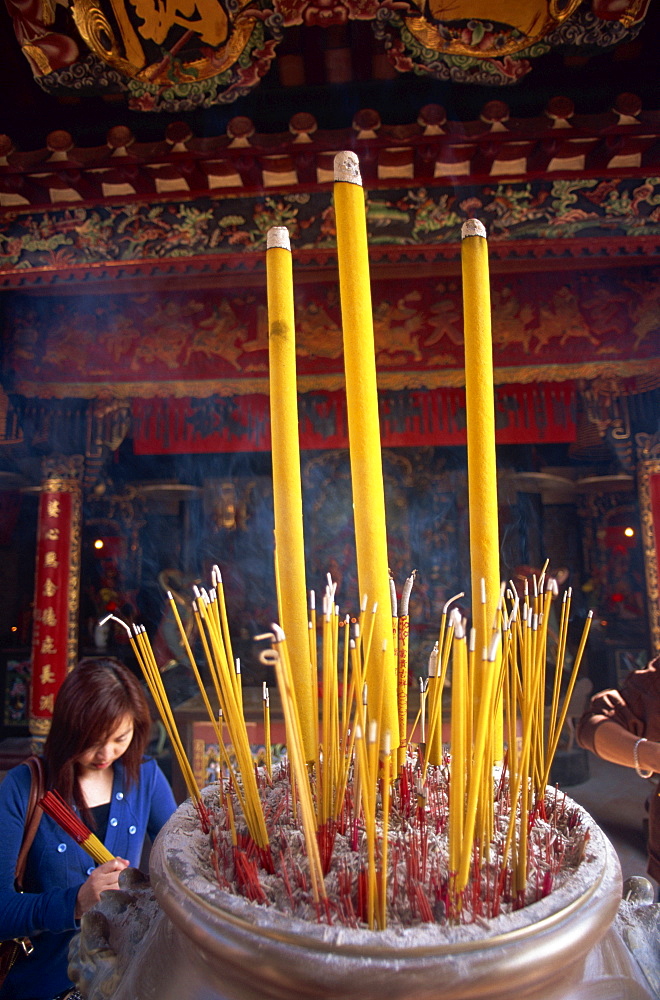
[[57, 571], [525, 414]]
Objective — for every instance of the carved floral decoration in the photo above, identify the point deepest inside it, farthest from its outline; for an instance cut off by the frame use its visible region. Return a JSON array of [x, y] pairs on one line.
[[176, 55]]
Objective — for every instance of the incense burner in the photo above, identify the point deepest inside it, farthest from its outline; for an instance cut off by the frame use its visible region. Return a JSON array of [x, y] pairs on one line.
[[206, 944]]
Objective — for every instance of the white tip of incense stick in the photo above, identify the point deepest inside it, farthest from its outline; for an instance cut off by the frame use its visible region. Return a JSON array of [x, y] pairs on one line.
[[473, 228], [472, 643], [393, 599], [492, 652], [406, 592], [312, 600], [387, 742], [373, 731], [451, 600], [278, 632], [238, 665], [104, 620], [365, 601], [483, 590], [347, 168], [433, 662], [278, 236]]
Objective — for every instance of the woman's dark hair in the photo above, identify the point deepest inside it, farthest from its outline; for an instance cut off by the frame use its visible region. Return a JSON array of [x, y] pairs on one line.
[[93, 699]]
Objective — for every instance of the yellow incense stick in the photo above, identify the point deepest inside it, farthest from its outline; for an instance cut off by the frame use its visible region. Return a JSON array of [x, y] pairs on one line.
[[363, 425], [459, 748], [480, 415], [287, 487]]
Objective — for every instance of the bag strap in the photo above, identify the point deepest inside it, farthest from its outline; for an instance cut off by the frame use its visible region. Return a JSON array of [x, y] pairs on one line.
[[33, 814]]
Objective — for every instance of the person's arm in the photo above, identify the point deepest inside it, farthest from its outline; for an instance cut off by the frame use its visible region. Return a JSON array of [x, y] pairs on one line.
[[614, 743], [621, 725], [57, 907], [161, 800], [25, 914], [101, 879]]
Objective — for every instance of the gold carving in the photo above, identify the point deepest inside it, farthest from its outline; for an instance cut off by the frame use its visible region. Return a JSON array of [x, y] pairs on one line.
[[46, 703], [210, 19], [61, 473], [49, 589], [116, 31], [528, 21], [52, 534], [48, 646], [47, 11], [53, 507], [648, 472], [38, 57], [50, 560], [73, 597], [47, 675], [39, 729], [49, 617], [431, 378], [648, 447]]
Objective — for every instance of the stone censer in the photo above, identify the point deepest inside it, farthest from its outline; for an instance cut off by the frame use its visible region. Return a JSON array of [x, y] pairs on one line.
[[180, 936]]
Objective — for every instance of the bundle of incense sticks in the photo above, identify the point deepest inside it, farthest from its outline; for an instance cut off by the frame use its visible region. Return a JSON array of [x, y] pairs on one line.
[[55, 806], [354, 761]]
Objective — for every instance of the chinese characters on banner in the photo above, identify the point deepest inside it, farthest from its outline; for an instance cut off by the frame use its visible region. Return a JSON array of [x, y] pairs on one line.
[[57, 580]]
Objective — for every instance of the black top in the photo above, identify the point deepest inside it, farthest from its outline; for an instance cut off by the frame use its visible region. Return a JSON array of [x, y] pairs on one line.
[[100, 814]]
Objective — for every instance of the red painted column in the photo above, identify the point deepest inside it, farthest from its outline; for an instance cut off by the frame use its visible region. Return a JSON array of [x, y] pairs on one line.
[[57, 589]]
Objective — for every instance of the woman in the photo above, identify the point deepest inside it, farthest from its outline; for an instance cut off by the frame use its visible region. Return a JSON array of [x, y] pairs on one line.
[[624, 727], [93, 757]]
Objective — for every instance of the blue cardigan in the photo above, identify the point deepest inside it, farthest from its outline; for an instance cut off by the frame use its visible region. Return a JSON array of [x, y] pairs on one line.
[[57, 867]]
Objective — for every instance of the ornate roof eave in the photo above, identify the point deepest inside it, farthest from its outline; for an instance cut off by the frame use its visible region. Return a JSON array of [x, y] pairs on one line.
[[550, 190], [432, 150], [223, 270]]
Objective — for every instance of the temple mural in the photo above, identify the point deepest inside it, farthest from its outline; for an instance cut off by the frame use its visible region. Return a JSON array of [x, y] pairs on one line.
[[548, 210], [575, 323]]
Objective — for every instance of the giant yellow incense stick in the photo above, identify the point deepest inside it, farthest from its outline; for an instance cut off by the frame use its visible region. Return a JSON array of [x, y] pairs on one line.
[[287, 488], [480, 414], [364, 431]]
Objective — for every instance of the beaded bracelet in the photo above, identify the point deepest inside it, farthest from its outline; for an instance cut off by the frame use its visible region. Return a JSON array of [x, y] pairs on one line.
[[642, 774]]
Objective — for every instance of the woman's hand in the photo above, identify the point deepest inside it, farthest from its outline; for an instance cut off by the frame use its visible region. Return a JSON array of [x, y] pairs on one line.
[[104, 877]]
